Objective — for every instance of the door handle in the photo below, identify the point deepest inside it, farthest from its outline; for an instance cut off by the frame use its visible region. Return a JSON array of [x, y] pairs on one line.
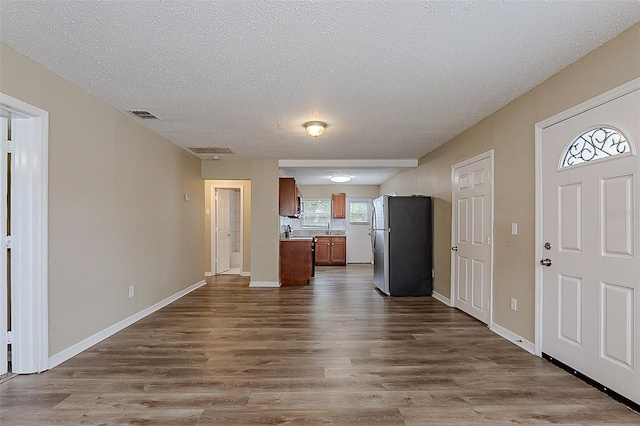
[[546, 262], [454, 248]]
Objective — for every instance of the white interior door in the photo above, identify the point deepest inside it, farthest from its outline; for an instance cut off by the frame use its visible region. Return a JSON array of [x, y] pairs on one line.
[[472, 261], [590, 266], [223, 232], [4, 302]]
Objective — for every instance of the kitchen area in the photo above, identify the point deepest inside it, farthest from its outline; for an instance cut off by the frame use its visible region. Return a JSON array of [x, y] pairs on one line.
[[314, 229]]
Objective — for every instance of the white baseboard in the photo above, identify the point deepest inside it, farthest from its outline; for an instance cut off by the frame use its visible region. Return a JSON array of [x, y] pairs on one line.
[[513, 338], [209, 274], [271, 284], [441, 298], [245, 273], [85, 344]]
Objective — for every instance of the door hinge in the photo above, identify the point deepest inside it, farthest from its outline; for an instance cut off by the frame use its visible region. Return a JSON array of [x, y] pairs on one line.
[[9, 337], [489, 176], [433, 273], [6, 241], [8, 146]]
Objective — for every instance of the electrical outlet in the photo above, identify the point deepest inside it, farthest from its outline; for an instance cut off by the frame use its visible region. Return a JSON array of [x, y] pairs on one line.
[[132, 291], [514, 304], [514, 229]]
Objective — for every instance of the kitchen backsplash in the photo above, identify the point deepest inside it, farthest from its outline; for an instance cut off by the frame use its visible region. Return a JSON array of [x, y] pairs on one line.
[[338, 227]]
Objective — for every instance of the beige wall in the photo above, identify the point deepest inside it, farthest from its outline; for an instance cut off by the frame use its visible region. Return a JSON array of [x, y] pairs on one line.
[[246, 220], [116, 211], [510, 133], [265, 236]]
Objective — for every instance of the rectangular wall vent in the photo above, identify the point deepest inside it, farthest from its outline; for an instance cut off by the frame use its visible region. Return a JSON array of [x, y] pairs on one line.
[[143, 114], [211, 150]]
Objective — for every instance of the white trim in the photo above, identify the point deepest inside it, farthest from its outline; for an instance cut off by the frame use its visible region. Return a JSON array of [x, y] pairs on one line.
[[85, 344], [441, 298], [29, 223], [209, 274], [513, 338], [269, 284], [488, 154], [245, 273], [539, 127]]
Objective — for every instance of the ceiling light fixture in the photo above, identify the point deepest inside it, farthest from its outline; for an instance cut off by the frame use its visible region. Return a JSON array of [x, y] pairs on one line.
[[315, 128], [340, 179]]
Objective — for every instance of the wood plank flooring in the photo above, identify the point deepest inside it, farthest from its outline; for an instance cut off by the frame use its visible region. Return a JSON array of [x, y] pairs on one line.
[[335, 352]]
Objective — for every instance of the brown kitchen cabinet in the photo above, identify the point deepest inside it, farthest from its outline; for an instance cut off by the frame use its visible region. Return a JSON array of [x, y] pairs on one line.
[[295, 262], [338, 205], [289, 198], [331, 251], [339, 251]]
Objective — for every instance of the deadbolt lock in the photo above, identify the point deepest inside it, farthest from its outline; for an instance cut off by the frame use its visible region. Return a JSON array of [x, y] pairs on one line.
[[547, 245]]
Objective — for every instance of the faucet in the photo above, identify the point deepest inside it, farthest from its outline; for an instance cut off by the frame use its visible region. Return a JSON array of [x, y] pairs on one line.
[[329, 228]]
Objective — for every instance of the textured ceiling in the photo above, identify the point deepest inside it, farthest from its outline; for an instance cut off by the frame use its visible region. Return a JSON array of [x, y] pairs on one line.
[[392, 79]]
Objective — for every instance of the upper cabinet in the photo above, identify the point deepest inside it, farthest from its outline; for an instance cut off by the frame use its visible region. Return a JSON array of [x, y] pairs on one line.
[[289, 198], [338, 205]]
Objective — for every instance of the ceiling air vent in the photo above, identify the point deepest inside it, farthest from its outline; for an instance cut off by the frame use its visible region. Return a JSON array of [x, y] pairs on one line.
[[211, 150], [143, 114]]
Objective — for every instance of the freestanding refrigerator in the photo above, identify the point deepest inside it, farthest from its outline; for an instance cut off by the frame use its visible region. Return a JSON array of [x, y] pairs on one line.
[[402, 242]]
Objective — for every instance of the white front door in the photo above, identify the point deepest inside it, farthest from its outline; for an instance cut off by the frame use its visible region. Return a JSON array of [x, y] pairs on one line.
[[4, 302], [590, 266], [223, 251], [472, 197]]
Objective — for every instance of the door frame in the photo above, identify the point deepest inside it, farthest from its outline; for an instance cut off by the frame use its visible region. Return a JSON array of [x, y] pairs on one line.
[[29, 222], [214, 233], [539, 128], [490, 155]]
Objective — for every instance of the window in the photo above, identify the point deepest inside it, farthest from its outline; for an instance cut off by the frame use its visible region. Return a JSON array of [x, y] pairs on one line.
[[359, 212], [595, 144], [316, 212]]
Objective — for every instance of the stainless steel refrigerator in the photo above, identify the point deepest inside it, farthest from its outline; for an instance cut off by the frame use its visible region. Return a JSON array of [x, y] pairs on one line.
[[402, 241]]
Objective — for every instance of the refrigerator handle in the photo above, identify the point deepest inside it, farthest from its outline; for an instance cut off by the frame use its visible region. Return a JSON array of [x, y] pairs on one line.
[[372, 232]]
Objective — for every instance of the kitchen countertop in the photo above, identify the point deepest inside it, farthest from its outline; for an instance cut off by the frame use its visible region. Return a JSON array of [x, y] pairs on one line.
[[295, 238], [308, 236]]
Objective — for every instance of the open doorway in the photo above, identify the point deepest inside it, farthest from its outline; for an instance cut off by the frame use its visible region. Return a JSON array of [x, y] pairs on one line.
[[227, 227]]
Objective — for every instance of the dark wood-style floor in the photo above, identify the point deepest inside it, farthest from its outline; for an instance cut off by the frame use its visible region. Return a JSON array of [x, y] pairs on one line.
[[335, 352]]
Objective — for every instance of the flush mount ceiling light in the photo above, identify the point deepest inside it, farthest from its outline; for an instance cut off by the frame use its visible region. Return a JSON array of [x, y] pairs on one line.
[[340, 179], [315, 128]]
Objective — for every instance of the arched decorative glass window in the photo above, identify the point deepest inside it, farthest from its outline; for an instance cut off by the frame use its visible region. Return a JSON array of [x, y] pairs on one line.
[[595, 144]]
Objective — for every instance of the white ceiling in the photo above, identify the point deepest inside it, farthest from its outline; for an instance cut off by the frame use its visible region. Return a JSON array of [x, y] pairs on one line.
[[393, 80], [362, 172]]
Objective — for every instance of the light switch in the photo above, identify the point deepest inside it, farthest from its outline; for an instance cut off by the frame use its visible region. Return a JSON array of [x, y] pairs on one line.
[[514, 229], [187, 197]]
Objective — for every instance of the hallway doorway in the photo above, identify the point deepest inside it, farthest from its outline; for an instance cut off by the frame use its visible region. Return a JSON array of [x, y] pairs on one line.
[[228, 229]]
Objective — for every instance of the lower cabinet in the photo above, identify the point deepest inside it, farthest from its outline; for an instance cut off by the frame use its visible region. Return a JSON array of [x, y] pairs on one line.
[[331, 251], [295, 262]]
